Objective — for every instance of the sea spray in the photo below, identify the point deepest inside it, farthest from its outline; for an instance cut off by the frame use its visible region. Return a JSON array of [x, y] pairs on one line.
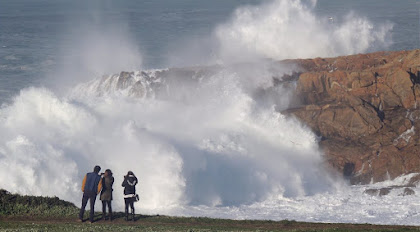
[[92, 50], [203, 137], [199, 140], [287, 29]]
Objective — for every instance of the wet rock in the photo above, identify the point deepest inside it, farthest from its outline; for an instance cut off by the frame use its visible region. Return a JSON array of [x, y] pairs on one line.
[[415, 180], [384, 191], [125, 80], [138, 90], [408, 191], [372, 192], [365, 108]]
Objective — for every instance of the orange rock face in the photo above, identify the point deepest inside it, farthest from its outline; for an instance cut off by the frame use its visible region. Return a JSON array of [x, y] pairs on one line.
[[367, 110]]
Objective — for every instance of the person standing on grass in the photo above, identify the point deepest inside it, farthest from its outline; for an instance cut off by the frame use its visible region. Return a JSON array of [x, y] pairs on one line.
[[129, 184], [91, 187], [106, 194]]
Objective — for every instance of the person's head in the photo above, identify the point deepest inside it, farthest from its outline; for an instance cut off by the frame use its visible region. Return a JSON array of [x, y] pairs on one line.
[[130, 173], [108, 172], [97, 169]]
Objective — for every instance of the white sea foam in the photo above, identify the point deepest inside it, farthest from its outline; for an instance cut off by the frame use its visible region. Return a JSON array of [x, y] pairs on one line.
[[213, 151], [284, 29], [213, 145], [348, 205], [203, 142]]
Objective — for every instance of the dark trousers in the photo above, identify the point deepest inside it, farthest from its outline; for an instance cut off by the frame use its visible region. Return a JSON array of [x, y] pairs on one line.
[[88, 196], [104, 204], [129, 202]]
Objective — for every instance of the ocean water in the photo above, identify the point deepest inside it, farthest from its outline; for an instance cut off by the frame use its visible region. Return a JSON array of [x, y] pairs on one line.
[[36, 36], [204, 141]]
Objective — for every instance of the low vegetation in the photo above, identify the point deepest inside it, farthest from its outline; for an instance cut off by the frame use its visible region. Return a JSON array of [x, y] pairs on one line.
[[17, 205], [29, 213]]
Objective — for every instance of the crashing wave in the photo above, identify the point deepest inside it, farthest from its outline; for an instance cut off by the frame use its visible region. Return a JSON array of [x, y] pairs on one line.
[[137, 84]]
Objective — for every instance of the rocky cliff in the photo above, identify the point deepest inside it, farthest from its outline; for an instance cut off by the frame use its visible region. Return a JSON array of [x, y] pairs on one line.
[[366, 108]]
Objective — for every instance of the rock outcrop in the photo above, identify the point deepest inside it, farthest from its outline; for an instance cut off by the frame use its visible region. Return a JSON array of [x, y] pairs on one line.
[[366, 108]]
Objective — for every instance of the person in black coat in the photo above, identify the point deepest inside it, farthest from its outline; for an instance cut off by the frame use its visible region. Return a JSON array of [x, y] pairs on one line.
[[129, 184]]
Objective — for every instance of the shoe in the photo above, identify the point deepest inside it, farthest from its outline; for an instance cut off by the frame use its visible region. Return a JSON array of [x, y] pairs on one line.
[[80, 220]]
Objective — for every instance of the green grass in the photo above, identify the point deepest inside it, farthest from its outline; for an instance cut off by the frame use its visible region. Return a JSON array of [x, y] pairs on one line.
[[14, 204], [186, 224], [19, 226], [29, 213]]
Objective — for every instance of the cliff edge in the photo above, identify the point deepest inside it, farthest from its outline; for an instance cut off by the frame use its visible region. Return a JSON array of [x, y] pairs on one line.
[[366, 108]]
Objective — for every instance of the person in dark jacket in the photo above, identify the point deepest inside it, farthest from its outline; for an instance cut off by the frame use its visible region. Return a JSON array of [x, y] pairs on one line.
[[129, 184], [91, 187], [106, 194]]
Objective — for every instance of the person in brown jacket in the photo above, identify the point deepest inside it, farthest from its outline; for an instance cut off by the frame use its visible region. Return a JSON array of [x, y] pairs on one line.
[[106, 194]]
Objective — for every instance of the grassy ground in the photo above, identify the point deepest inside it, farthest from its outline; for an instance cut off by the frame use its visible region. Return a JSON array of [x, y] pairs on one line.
[[28, 213], [162, 223], [14, 204]]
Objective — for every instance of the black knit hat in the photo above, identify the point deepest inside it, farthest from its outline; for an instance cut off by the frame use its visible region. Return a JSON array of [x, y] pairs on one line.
[[96, 169]]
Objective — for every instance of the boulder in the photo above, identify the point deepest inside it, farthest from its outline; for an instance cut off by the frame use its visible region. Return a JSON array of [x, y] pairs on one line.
[[408, 191], [125, 80], [365, 107]]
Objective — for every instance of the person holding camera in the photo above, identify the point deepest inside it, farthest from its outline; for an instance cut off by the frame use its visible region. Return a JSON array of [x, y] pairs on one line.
[[129, 184], [106, 194], [91, 186]]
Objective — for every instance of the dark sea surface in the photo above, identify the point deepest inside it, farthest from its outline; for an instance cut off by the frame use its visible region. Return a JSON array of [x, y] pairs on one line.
[[35, 34]]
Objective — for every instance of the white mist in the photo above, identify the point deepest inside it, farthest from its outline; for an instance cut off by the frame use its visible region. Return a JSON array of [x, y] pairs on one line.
[[200, 145]]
